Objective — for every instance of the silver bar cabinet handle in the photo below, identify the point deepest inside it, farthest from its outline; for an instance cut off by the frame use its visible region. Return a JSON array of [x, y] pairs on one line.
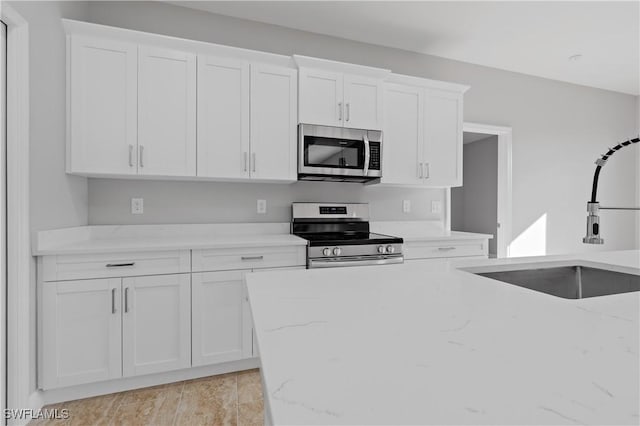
[[141, 156], [426, 173], [126, 299], [367, 152], [245, 160], [120, 265], [113, 300], [252, 257], [339, 111], [446, 248], [348, 112], [130, 155], [254, 161], [420, 170]]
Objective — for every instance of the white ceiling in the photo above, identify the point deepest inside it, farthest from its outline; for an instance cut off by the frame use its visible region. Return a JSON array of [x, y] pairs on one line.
[[468, 137], [535, 38]]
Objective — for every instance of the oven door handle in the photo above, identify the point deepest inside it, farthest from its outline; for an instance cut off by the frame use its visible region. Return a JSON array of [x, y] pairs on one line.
[[367, 153], [356, 261]]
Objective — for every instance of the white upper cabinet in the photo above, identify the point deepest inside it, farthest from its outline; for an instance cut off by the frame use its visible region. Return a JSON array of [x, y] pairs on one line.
[[223, 117], [156, 323], [80, 329], [362, 102], [206, 111], [443, 138], [321, 97], [166, 112], [403, 134], [340, 94], [273, 123], [345, 100], [422, 132], [102, 107]]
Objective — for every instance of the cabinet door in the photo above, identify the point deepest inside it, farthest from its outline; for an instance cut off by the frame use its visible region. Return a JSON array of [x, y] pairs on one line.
[[362, 102], [273, 123], [218, 304], [321, 100], [102, 106], [223, 118], [166, 112], [156, 331], [403, 134], [81, 334], [443, 138]]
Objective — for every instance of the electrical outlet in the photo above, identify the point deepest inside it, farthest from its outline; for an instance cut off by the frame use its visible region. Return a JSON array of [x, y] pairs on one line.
[[406, 206], [137, 206], [262, 207], [436, 206]]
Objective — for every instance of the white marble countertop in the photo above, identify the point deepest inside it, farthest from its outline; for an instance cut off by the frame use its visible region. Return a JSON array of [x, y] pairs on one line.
[[417, 231], [128, 238], [433, 344], [117, 239]]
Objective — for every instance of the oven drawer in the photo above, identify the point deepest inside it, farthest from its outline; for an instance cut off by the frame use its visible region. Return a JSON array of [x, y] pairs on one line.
[[248, 258], [85, 266], [440, 249]]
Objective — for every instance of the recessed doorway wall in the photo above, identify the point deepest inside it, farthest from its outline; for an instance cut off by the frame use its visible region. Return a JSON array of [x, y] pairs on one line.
[[504, 183], [474, 206]]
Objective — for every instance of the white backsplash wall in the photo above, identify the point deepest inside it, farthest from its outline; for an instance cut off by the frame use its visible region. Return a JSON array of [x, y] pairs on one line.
[[215, 202]]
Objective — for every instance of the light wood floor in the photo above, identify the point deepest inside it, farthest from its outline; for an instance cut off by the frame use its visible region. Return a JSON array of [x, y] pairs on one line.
[[229, 399]]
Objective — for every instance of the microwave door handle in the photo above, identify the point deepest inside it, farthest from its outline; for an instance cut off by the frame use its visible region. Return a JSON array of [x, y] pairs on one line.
[[367, 154]]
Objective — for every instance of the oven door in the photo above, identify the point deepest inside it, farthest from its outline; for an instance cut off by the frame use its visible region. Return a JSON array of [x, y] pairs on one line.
[[338, 262], [335, 151]]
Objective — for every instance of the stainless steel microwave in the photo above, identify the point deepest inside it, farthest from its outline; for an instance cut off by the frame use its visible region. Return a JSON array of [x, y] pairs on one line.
[[339, 154]]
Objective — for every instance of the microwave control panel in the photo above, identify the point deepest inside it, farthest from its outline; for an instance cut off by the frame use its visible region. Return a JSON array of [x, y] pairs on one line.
[[374, 155]]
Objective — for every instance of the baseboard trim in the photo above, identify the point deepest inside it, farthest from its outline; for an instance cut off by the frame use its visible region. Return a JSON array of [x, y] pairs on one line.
[[53, 396]]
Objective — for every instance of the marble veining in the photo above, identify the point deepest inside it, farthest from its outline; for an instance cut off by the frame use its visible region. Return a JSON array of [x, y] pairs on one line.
[[434, 344]]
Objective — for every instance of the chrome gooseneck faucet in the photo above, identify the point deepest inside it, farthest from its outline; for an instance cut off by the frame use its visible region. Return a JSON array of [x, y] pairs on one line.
[[593, 206]]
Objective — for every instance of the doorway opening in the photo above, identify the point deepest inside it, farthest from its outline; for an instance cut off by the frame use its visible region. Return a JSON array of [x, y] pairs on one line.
[[474, 206], [483, 203]]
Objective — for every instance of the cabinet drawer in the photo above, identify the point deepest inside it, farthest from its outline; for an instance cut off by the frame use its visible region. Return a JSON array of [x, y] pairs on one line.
[[248, 258], [436, 249], [84, 266]]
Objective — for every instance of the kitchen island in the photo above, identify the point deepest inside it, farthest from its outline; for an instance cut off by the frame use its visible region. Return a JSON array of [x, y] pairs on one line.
[[434, 344]]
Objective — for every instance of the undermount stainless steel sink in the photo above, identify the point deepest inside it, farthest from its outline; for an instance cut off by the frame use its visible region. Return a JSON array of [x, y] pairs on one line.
[[570, 282]]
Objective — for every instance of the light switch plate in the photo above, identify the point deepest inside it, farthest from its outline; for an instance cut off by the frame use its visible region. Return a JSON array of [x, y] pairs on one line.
[[137, 205], [436, 206], [406, 206], [262, 207]]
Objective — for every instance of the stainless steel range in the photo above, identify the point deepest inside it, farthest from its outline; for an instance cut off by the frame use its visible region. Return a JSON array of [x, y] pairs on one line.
[[338, 235]]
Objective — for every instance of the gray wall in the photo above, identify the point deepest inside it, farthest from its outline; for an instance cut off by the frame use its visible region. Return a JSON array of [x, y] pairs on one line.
[[558, 130], [474, 206], [56, 199]]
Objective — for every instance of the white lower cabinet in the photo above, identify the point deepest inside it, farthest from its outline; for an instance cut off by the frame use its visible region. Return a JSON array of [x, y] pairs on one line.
[[81, 332], [419, 250], [222, 324], [218, 317], [100, 329], [156, 324], [95, 328]]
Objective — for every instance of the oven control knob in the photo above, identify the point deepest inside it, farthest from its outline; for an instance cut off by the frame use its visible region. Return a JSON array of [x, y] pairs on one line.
[[337, 251], [381, 249], [390, 249], [326, 251]]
